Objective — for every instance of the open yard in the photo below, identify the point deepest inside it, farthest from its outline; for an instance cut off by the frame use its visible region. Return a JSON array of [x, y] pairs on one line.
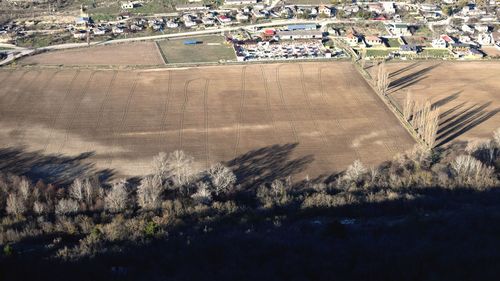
[[466, 93], [210, 49], [140, 53], [298, 119]]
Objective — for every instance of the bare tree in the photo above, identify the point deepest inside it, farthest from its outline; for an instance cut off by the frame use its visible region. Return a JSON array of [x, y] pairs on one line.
[[117, 198], [409, 106], [353, 173], [423, 118], [180, 168], [160, 165], [67, 206], [471, 172], [222, 178], [149, 193], [76, 190], [382, 79], [496, 137]]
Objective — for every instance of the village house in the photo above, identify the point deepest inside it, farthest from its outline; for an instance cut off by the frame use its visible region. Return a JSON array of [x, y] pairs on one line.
[[242, 17], [439, 43], [482, 28], [409, 49], [389, 7], [325, 10], [80, 34], [373, 40], [99, 31], [224, 19], [376, 7], [399, 29], [351, 39], [130, 5], [486, 39], [467, 28]]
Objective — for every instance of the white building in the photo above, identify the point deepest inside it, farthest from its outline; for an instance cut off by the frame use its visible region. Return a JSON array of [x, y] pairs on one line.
[[300, 34], [389, 7], [240, 2], [486, 39], [467, 28], [439, 43]]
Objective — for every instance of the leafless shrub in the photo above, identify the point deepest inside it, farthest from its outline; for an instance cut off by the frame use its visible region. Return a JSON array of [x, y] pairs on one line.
[[278, 194], [15, 204], [149, 193], [353, 176], [482, 149], [67, 206], [40, 208], [222, 178], [496, 137], [117, 198], [203, 194]]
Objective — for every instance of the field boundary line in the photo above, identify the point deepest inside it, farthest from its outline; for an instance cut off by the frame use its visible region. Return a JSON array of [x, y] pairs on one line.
[[54, 120], [306, 95], [205, 107], [163, 124], [268, 101], [121, 125], [390, 104], [282, 97], [240, 112]]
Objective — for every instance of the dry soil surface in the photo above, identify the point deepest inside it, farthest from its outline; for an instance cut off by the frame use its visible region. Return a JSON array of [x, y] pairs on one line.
[[139, 53], [466, 93], [301, 119]]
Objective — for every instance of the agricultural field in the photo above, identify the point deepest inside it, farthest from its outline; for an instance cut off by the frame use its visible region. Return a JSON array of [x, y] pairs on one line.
[[139, 53], [210, 49], [466, 93], [296, 119]]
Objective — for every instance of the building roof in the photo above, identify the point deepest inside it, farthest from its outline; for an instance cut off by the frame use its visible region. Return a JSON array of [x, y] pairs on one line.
[[301, 26], [299, 32]]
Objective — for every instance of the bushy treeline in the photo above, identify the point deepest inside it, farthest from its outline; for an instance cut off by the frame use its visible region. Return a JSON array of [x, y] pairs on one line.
[[89, 219]]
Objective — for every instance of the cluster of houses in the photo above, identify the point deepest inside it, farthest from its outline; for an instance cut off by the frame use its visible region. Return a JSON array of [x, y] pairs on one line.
[[298, 41]]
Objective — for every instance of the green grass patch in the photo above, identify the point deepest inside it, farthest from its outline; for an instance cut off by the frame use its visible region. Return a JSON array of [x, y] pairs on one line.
[[174, 51], [393, 42]]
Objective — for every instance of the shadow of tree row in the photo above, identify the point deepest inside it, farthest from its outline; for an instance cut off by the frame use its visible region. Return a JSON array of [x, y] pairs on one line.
[[55, 169]]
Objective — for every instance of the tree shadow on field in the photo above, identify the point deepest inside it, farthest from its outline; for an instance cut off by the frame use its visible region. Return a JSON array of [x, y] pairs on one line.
[[404, 69], [463, 121], [410, 79], [267, 164], [54, 169]]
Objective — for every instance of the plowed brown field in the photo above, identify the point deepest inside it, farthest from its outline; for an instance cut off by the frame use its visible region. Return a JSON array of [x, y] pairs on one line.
[[299, 119], [466, 93]]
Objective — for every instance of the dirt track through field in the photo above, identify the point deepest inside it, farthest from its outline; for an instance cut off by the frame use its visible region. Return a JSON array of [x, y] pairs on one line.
[[298, 119]]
